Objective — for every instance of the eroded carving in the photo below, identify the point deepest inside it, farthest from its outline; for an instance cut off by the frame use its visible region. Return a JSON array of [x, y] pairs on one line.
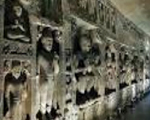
[[17, 49], [87, 60], [111, 69], [87, 53]]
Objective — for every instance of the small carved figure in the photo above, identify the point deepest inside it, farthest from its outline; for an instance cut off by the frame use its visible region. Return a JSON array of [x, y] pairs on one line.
[[7, 65], [111, 68], [16, 22]]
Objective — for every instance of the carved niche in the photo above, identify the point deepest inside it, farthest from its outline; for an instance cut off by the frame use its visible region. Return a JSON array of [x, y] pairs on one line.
[[86, 52], [16, 89], [111, 68], [86, 62], [124, 62], [17, 35], [16, 22]]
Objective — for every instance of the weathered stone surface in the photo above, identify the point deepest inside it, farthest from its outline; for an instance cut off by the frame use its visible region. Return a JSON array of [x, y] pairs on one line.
[[69, 60]]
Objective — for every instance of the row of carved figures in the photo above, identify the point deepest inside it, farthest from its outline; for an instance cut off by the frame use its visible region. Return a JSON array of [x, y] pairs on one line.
[[93, 68]]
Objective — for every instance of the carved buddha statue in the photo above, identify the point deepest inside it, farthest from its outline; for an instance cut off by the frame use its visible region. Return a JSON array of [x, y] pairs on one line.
[[16, 22]]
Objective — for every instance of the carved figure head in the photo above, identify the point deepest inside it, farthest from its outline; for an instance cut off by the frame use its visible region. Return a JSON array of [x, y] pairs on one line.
[[7, 65], [47, 43], [47, 40], [85, 43], [57, 36], [16, 69], [17, 9]]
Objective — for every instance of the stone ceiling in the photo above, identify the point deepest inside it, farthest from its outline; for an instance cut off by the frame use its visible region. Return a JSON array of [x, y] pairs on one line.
[[137, 11]]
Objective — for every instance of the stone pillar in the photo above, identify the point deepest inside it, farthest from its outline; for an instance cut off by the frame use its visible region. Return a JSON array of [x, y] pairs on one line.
[[34, 84], [1, 40]]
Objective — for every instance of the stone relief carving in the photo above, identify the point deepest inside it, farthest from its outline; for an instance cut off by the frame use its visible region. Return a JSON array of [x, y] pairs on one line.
[[7, 65], [15, 89], [113, 21], [48, 65], [138, 68], [15, 26], [70, 110], [10, 48], [125, 71], [87, 53], [111, 68], [87, 60], [146, 72], [101, 12], [94, 67]]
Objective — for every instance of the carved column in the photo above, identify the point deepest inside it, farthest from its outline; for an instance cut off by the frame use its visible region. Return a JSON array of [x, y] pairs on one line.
[[34, 84]]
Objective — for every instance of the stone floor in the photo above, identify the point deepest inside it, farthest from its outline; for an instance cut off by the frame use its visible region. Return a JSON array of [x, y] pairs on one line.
[[141, 111]]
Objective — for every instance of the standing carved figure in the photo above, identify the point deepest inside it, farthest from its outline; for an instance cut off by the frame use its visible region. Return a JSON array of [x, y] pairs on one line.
[[48, 70], [15, 94]]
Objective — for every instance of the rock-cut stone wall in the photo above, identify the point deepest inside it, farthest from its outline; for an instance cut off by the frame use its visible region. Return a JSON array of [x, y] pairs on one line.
[[69, 60]]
